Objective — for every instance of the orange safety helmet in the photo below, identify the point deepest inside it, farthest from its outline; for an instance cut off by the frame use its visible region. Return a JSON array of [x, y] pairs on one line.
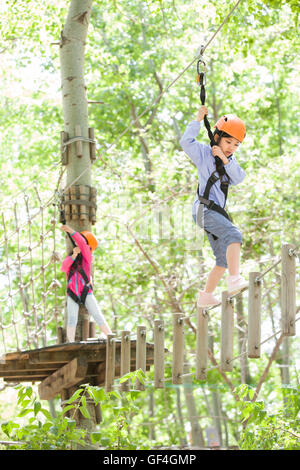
[[91, 239], [232, 125]]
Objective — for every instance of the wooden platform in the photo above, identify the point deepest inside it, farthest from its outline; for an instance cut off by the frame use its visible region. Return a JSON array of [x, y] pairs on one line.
[[64, 365]]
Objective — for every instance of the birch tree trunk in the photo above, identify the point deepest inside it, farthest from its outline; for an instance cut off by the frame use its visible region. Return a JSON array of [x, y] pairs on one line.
[[74, 98], [75, 113]]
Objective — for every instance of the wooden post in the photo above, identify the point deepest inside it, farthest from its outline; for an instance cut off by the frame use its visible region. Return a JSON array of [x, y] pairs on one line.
[[60, 335], [67, 207], [83, 196], [226, 332], [288, 290], [201, 344], [67, 376], [140, 354], [64, 137], [110, 362], [254, 315], [159, 353], [74, 207], [92, 144], [125, 358], [178, 348], [92, 329], [85, 326], [78, 144], [93, 199]]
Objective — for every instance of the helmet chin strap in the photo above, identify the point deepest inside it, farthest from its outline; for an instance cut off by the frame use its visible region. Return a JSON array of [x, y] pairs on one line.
[[220, 135]]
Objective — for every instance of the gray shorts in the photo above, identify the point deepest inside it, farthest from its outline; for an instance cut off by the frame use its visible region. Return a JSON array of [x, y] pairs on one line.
[[227, 233]]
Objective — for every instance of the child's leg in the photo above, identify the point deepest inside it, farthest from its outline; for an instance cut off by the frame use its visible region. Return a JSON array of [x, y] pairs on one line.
[[72, 308], [233, 258], [213, 278], [93, 308]]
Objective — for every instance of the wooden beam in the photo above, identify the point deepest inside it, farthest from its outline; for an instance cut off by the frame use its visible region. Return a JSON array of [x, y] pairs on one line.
[[21, 366], [64, 357], [65, 377]]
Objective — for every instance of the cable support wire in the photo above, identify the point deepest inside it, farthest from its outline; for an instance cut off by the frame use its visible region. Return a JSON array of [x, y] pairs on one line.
[[165, 90], [157, 99]]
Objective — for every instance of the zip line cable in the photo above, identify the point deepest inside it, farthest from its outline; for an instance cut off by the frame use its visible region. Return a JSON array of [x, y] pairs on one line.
[[157, 99], [165, 90]]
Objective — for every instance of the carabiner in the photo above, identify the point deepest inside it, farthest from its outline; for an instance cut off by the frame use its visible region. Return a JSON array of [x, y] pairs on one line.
[[201, 78]]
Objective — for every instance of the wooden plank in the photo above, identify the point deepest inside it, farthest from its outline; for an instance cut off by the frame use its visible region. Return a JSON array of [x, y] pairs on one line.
[[92, 144], [64, 137], [32, 379], [140, 354], [288, 290], [66, 377], [125, 358], [78, 144], [21, 366], [25, 375], [227, 332], [201, 344], [254, 316], [159, 354], [178, 348], [65, 357], [110, 362]]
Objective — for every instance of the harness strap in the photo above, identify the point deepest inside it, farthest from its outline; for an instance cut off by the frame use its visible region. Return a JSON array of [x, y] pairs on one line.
[[75, 268], [220, 170]]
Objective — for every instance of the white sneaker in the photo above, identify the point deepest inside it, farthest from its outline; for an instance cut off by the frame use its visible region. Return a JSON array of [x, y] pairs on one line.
[[236, 284], [206, 299]]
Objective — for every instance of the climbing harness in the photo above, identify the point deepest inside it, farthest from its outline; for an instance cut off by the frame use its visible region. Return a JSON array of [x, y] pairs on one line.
[[76, 267], [220, 172]]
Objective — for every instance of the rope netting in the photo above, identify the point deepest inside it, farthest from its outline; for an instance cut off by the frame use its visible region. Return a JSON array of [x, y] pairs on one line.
[[30, 302]]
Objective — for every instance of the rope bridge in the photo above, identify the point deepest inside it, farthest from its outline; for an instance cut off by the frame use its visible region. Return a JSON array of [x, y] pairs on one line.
[[33, 300]]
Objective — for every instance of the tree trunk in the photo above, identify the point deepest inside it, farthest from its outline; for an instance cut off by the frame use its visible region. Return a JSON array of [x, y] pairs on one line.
[[182, 434], [75, 113], [197, 435], [75, 106]]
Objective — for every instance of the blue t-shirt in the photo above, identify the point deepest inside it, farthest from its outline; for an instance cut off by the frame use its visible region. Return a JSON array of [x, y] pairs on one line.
[[204, 160]]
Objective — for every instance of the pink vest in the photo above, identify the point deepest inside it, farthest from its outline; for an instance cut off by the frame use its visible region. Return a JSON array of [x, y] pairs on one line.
[[76, 283]]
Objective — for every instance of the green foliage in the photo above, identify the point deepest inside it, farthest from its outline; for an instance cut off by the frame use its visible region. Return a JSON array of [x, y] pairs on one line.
[[42, 431], [45, 432], [132, 49], [265, 430]]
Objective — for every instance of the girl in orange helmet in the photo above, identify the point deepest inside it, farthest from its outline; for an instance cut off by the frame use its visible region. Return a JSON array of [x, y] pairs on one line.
[[217, 170], [77, 267]]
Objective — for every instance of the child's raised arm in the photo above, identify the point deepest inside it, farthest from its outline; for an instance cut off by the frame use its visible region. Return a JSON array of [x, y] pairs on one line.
[[79, 240], [188, 142]]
